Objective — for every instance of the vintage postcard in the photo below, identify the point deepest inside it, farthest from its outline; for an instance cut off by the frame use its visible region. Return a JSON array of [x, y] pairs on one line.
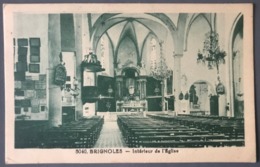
[[129, 83]]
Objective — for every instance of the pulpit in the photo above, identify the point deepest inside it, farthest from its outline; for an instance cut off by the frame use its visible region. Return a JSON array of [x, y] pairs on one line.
[[90, 66]]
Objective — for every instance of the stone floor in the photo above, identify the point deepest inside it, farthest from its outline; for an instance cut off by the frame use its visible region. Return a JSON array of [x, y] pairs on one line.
[[110, 136]]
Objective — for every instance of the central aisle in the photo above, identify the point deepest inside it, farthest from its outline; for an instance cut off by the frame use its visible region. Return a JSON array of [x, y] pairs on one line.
[[110, 136]]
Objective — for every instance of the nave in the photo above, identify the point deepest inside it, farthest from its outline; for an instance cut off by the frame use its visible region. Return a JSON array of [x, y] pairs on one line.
[[129, 80], [135, 130]]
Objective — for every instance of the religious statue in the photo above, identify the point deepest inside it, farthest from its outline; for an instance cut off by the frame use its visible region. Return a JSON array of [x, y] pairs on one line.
[[131, 90]]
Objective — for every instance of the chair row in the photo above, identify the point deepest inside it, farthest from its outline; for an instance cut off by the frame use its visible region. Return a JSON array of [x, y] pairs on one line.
[[79, 134], [149, 132], [229, 126], [26, 133]]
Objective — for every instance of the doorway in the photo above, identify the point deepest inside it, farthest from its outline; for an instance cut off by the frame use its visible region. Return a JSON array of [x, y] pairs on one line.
[[201, 99]]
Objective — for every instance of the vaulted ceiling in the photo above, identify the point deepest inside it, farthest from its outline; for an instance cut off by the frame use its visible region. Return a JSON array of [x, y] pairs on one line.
[[173, 27], [134, 26], [138, 26]]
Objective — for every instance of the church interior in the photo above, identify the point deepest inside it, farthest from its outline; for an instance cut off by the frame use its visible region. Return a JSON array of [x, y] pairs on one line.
[[111, 80]]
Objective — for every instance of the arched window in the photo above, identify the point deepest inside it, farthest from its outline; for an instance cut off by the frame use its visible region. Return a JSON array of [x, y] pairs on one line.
[[104, 54], [153, 44], [103, 49], [237, 60]]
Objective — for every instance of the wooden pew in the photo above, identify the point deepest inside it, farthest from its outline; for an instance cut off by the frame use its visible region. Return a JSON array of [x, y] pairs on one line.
[[79, 134], [186, 131], [230, 126], [26, 133]]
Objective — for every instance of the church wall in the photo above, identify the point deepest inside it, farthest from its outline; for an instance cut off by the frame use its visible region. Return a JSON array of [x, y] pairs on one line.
[[189, 67], [30, 25], [147, 53], [230, 25], [198, 71], [32, 103], [220, 28], [169, 52], [223, 26], [127, 52], [105, 56], [40, 26]]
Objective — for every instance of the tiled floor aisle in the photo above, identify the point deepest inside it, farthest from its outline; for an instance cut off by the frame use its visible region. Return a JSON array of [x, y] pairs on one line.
[[110, 136]]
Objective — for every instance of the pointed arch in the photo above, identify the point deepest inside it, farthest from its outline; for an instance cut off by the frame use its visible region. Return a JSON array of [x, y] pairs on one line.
[[101, 19], [192, 20], [99, 31], [230, 62], [127, 32], [144, 42], [112, 46], [165, 19]]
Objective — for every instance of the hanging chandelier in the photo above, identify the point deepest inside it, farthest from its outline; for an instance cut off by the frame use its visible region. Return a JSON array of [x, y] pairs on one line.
[[211, 51], [160, 70]]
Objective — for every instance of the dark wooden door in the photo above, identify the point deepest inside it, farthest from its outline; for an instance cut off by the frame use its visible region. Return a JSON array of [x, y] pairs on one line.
[[68, 114], [214, 105]]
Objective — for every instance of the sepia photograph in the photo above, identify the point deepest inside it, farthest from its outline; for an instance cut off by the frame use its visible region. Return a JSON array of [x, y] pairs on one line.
[[123, 83]]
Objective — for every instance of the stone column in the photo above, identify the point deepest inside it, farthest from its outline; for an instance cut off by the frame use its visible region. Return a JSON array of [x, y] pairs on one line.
[[177, 82], [142, 87], [222, 105], [163, 94], [54, 91], [145, 89], [119, 83], [78, 49]]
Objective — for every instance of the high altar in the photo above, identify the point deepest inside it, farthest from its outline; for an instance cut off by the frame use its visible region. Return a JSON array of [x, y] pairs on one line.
[[131, 89]]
